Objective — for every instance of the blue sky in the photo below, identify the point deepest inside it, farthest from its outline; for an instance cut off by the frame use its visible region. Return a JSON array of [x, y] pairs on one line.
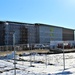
[[54, 12]]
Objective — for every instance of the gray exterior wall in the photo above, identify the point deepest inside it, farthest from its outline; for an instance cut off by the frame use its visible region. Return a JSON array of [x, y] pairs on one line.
[[10, 29], [26, 33], [37, 33], [49, 33], [44, 34], [74, 35], [20, 34], [31, 33], [2, 33], [55, 33]]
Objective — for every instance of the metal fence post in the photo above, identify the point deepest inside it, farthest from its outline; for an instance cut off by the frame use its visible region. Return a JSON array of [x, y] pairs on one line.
[[14, 53], [63, 58]]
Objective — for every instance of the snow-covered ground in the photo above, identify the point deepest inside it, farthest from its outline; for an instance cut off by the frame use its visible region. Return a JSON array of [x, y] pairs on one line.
[[51, 64]]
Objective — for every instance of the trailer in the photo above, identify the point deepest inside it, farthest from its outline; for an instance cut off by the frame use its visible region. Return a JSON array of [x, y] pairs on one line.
[[58, 46]]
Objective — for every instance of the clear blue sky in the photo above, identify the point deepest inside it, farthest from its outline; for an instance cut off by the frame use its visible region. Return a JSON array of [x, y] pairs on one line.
[[54, 12]]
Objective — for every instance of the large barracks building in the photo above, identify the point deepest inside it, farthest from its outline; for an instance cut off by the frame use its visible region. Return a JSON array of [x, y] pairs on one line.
[[26, 33]]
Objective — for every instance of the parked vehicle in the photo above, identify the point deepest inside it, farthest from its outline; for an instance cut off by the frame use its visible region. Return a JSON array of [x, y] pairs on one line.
[[39, 46], [59, 45]]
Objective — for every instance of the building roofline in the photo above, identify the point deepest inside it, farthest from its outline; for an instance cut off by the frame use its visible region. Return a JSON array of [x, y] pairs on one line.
[[15, 22], [35, 23], [53, 26]]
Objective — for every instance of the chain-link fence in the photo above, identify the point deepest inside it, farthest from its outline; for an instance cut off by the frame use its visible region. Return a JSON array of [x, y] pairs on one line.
[[24, 47], [36, 56]]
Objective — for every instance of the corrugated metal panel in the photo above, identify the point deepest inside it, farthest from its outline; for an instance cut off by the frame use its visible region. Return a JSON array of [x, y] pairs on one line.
[[48, 33], [68, 34]]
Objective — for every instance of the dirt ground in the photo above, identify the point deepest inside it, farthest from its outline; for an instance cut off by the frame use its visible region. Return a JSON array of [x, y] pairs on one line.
[[3, 53]]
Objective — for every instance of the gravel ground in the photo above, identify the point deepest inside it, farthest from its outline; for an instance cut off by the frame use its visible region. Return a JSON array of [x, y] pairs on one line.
[[3, 53]]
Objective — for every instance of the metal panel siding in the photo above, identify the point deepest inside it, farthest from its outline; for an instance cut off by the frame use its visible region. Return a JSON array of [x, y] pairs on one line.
[[74, 35], [2, 34], [44, 34], [10, 29], [55, 33], [31, 34], [68, 34], [48, 33], [36, 33]]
